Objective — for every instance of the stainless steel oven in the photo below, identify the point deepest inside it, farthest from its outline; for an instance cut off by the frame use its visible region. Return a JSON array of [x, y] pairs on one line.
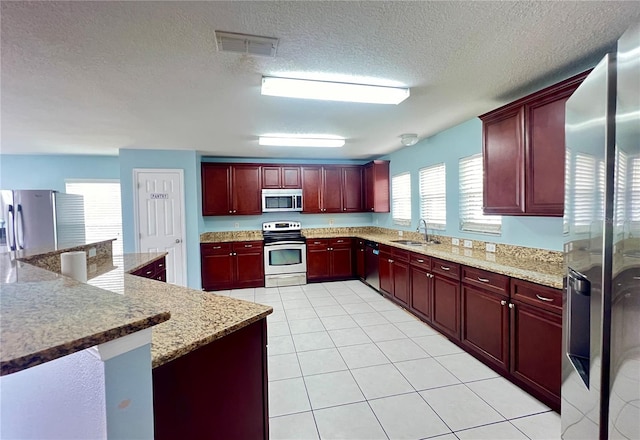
[[285, 254]]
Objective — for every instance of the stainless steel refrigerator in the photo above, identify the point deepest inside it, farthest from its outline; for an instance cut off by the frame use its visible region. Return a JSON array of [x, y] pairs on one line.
[[601, 319], [40, 219]]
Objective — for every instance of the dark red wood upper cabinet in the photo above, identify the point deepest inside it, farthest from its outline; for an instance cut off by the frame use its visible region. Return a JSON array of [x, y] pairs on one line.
[[311, 189], [352, 200], [281, 176], [231, 189], [503, 158], [247, 197], [524, 151], [216, 189], [331, 189], [376, 186]]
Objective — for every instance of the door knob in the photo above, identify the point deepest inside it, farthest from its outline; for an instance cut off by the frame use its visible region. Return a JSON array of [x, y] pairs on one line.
[[178, 240]]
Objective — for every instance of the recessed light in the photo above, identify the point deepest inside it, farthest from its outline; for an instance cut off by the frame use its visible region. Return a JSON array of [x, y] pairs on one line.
[[333, 91], [301, 141]]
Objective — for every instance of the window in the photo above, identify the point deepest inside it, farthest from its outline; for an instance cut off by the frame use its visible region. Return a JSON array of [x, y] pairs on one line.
[[401, 199], [102, 209], [433, 196], [471, 216], [634, 193], [585, 192]]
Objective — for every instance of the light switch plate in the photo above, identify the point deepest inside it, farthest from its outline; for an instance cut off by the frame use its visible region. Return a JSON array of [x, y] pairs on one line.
[[400, 233], [330, 222], [468, 243], [236, 225], [455, 241], [92, 252], [490, 247], [468, 253]]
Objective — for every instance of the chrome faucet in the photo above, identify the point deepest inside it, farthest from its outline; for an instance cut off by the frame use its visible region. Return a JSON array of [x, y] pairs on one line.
[[426, 232]]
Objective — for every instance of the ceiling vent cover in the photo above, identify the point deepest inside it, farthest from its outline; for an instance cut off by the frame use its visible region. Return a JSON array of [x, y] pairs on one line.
[[243, 43]]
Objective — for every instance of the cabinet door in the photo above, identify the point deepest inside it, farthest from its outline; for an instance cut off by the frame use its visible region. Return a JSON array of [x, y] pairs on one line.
[[401, 281], [311, 188], [249, 270], [247, 198], [318, 266], [290, 177], [376, 186], [216, 189], [536, 349], [420, 291], [446, 306], [341, 263], [545, 156], [217, 271], [386, 273], [271, 177], [331, 189], [352, 189], [485, 325], [503, 158]]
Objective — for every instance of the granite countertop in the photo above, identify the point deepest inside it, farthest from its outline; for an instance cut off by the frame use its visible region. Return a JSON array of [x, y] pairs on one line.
[[44, 315], [524, 263], [197, 318]]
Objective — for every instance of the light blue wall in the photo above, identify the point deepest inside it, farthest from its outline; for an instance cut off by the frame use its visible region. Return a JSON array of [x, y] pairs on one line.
[[167, 159], [50, 171], [448, 147]]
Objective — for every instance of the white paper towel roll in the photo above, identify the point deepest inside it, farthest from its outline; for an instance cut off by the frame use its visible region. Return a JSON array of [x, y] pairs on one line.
[[74, 265]]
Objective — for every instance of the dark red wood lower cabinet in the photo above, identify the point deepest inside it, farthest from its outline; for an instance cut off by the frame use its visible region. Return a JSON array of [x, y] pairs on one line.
[[401, 282], [421, 286], [536, 351], [218, 391], [446, 306], [485, 325]]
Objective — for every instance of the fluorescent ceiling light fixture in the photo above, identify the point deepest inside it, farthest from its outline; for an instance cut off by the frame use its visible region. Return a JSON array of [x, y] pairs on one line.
[[301, 141], [332, 91]]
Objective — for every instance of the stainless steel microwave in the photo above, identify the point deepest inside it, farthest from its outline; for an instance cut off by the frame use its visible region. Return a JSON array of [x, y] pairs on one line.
[[278, 200]]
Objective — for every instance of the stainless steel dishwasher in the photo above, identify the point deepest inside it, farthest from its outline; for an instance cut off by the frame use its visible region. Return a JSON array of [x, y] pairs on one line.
[[371, 264]]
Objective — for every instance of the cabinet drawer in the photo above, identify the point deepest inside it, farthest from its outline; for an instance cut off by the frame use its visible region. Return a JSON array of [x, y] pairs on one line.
[[446, 268], [161, 265], [247, 246], [421, 261], [317, 243], [385, 248], [340, 242], [147, 271], [400, 254], [490, 281], [215, 248], [537, 295]]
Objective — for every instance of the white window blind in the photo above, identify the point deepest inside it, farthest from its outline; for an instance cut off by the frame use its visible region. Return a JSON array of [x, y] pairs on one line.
[[401, 199], [471, 216], [620, 209], [634, 196], [568, 209], [102, 209], [433, 196], [585, 184]]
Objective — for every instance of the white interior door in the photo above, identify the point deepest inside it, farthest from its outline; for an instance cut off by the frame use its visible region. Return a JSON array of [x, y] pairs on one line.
[[160, 219]]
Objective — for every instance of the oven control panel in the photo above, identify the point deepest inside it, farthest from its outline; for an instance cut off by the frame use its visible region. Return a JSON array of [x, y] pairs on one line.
[[281, 226]]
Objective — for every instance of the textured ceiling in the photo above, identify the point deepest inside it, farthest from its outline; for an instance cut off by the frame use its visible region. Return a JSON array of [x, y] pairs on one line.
[[93, 77]]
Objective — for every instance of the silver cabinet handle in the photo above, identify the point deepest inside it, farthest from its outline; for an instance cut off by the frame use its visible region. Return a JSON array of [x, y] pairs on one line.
[[542, 298], [420, 261], [503, 303], [445, 268], [484, 280], [339, 241], [511, 306], [390, 261], [248, 245], [216, 247]]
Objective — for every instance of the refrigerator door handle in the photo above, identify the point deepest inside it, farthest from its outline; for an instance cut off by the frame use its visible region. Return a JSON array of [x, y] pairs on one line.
[[11, 229], [19, 228]]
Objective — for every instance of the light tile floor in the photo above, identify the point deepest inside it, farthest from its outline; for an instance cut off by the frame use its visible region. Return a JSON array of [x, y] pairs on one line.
[[346, 363]]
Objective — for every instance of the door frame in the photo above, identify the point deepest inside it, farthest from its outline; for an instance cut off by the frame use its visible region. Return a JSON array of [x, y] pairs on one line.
[[136, 212]]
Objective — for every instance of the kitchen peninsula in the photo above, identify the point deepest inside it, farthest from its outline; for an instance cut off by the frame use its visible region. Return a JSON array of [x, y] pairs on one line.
[[46, 317]]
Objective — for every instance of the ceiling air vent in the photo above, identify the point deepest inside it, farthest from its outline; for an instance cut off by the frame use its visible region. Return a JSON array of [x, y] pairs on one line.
[[243, 43]]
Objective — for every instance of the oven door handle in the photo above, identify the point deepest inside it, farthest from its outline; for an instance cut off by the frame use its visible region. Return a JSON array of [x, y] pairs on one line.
[[278, 243]]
